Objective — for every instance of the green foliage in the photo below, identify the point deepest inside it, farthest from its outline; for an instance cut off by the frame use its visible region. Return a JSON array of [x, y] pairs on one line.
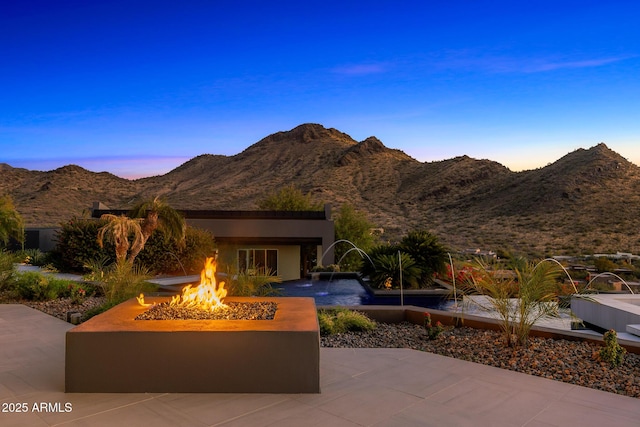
[[11, 223], [251, 285], [341, 320], [120, 281], [77, 249], [7, 268], [520, 299], [603, 265], [156, 214], [77, 245], [118, 229], [386, 269], [352, 225], [433, 331], [612, 352], [289, 198], [35, 257], [421, 256], [429, 255], [35, 286], [168, 256]]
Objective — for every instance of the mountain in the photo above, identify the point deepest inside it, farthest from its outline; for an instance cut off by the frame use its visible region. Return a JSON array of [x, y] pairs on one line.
[[587, 201]]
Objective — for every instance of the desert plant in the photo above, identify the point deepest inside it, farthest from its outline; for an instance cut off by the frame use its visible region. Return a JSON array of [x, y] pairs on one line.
[[289, 198], [245, 284], [77, 293], [387, 263], [519, 299], [341, 320], [433, 331], [120, 281], [429, 255], [612, 352]]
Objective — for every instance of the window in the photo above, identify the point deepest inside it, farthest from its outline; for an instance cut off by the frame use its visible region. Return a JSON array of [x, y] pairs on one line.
[[258, 261]]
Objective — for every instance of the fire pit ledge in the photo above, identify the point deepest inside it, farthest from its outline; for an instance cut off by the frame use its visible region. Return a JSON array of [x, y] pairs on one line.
[[113, 353]]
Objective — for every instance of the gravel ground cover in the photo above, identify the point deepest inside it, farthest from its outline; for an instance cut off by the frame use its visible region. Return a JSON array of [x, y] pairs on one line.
[[573, 362], [232, 311]]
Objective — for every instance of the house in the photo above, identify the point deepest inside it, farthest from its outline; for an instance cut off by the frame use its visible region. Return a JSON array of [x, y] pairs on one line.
[[284, 243]]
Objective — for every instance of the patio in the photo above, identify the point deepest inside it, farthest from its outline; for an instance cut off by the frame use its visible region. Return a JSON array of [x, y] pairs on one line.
[[382, 387]]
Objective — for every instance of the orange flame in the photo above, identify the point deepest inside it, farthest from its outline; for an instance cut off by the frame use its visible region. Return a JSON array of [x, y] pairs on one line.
[[207, 295]]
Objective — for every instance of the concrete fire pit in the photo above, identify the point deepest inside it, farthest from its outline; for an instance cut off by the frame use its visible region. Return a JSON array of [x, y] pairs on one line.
[[114, 353]]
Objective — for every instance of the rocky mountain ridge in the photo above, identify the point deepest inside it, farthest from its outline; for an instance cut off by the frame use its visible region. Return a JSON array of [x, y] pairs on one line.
[[587, 201]]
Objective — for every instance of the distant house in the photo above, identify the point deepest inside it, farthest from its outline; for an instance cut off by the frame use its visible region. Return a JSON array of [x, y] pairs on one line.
[[286, 243]]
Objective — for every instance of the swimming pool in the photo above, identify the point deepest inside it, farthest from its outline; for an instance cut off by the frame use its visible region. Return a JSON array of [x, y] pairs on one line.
[[327, 292]]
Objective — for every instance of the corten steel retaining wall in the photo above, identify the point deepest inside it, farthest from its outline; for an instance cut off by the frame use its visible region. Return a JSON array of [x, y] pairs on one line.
[[415, 315]]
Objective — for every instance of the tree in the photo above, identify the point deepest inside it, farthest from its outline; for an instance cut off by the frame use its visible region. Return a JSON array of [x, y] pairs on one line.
[[289, 198], [11, 224], [155, 214], [118, 229], [353, 226]]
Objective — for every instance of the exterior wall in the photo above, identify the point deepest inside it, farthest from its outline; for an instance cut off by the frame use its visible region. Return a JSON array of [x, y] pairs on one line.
[[288, 257], [276, 229], [289, 262], [38, 238]]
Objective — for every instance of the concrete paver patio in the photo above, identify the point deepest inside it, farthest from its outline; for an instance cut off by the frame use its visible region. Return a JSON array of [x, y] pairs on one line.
[[381, 387]]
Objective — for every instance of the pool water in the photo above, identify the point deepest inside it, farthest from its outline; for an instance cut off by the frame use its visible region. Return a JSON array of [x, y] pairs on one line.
[[327, 292]]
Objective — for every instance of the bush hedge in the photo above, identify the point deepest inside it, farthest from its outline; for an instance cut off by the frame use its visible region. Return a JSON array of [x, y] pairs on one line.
[[77, 247]]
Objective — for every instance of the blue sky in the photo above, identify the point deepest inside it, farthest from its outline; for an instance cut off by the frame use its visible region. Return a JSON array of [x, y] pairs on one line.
[[137, 88]]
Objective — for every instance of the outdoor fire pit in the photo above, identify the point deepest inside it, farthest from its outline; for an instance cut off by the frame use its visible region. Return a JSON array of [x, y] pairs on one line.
[[114, 352]]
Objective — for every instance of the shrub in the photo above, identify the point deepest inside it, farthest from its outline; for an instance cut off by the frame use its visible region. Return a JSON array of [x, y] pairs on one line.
[[341, 320], [252, 285], [612, 352], [35, 286], [77, 244], [433, 331], [7, 269], [387, 266], [429, 255], [120, 281], [77, 248], [167, 256], [34, 257], [519, 300]]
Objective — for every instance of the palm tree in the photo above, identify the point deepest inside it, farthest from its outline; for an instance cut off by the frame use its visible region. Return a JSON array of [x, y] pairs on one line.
[[118, 229], [155, 214], [11, 224]]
